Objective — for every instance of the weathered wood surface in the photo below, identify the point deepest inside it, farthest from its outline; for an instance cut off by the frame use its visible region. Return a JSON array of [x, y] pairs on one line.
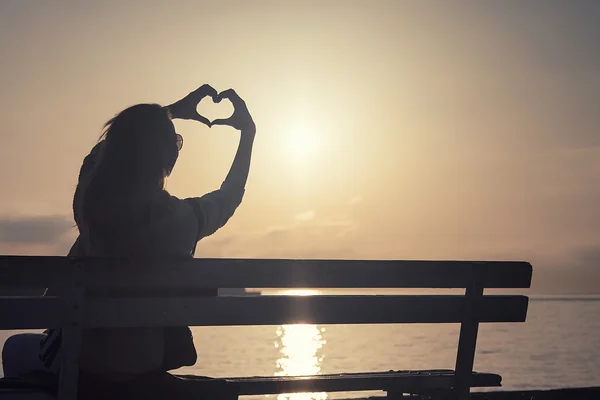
[[44, 312], [31, 312], [263, 273], [392, 381]]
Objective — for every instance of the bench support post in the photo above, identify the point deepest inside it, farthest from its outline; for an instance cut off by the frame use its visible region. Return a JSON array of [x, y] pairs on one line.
[[467, 341], [68, 382]]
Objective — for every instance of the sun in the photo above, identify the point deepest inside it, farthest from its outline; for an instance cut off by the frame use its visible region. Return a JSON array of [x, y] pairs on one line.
[[302, 142]]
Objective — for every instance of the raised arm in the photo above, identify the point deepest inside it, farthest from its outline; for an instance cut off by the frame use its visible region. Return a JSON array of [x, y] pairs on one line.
[[241, 120], [214, 209]]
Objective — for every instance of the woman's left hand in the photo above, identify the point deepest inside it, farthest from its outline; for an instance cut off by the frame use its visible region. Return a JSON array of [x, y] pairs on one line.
[[241, 118], [186, 107]]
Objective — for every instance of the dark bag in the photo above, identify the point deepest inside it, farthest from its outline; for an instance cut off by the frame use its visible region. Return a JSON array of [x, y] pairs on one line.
[[179, 348], [179, 341]]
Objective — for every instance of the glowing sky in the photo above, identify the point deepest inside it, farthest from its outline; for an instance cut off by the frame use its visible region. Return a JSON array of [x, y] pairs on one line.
[[387, 129]]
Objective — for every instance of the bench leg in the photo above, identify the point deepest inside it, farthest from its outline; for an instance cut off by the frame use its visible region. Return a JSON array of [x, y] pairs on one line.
[[68, 381], [466, 344]]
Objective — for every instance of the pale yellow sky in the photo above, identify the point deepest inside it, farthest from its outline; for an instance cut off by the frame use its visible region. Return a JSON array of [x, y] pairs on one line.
[[386, 130]]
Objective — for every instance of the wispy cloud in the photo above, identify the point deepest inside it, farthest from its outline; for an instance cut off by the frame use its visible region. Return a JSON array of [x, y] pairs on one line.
[[589, 258], [29, 230], [305, 216], [309, 234]]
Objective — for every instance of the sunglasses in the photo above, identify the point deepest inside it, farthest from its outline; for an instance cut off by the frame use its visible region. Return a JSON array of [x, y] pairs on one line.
[[179, 141]]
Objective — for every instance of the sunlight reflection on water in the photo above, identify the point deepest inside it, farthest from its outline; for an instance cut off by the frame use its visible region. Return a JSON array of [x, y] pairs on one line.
[[300, 348]]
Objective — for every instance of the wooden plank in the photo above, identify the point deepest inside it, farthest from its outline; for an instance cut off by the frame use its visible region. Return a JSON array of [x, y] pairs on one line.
[[47, 312], [426, 380], [266, 273], [399, 381], [276, 310], [31, 312], [274, 273], [34, 271], [21, 291]]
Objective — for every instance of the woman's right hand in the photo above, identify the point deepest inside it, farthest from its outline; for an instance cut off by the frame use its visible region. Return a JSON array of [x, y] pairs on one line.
[[241, 118], [186, 107]]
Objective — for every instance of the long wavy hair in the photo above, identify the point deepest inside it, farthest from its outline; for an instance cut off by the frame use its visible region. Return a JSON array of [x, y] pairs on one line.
[[138, 151]]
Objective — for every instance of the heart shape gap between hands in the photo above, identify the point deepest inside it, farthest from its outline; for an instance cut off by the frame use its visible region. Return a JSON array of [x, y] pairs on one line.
[[212, 110]]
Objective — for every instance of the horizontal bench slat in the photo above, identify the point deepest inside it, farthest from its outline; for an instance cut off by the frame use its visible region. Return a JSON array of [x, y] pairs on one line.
[[264, 310], [34, 271], [277, 310], [264, 273], [417, 381], [393, 381], [31, 312]]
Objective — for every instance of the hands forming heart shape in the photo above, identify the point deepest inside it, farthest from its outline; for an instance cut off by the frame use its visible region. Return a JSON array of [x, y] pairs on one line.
[[186, 108]]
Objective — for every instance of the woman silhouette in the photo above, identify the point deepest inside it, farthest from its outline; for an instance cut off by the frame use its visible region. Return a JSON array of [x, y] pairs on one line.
[[122, 209]]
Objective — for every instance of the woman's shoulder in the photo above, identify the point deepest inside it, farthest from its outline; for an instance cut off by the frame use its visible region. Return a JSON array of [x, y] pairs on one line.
[[169, 225], [166, 205]]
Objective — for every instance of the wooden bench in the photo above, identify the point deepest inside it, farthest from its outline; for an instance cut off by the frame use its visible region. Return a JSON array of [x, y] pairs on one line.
[[73, 310]]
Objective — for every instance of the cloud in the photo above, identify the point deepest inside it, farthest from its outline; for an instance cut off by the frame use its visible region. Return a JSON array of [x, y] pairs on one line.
[[34, 230], [587, 261], [570, 271], [309, 234], [305, 216]]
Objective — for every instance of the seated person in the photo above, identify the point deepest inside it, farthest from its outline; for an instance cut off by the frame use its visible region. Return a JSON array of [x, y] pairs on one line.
[[122, 209]]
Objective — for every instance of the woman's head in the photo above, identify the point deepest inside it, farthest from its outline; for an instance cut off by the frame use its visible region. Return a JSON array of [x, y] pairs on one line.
[[141, 144], [139, 149]]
